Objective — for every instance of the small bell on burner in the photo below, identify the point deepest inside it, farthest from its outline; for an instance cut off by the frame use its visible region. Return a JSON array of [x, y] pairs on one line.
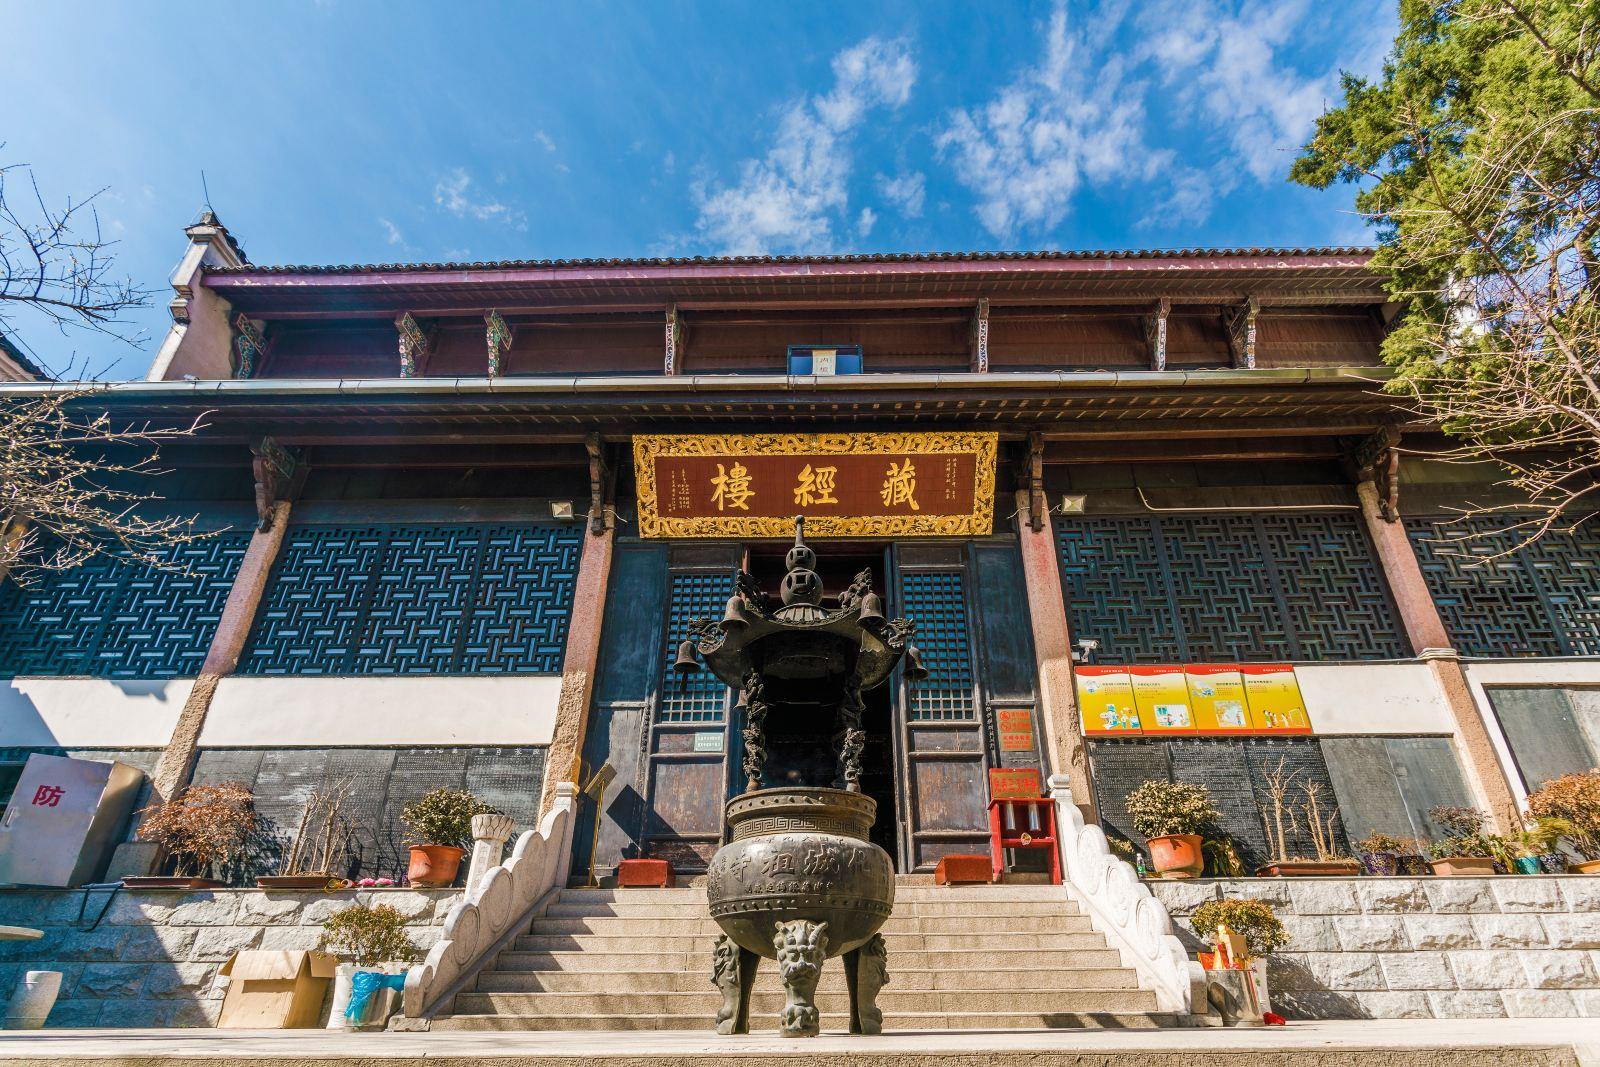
[[915, 671], [735, 618], [872, 612], [686, 662]]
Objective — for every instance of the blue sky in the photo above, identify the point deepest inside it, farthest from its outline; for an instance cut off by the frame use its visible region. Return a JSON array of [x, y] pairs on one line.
[[347, 131]]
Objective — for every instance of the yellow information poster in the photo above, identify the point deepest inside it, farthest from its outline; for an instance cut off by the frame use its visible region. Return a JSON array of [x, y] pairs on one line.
[[1216, 694], [1273, 694], [1162, 696], [1105, 701]]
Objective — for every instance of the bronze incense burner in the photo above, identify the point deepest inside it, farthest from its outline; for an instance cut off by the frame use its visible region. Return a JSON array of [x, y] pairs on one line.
[[799, 881]]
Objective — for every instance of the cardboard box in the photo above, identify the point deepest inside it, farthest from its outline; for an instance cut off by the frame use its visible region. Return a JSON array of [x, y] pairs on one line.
[[276, 990]]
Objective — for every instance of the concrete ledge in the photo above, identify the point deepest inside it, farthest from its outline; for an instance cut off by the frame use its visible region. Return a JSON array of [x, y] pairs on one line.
[[1466, 1043]]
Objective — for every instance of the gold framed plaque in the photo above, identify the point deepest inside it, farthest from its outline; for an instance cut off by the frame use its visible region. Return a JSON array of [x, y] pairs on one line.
[[845, 484]]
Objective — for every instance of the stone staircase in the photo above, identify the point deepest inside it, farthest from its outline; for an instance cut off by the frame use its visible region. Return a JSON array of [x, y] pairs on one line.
[[969, 958]]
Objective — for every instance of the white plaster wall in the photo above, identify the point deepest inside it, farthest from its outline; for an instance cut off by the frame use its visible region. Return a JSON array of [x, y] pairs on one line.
[[385, 710], [90, 712], [1523, 672], [1346, 699]]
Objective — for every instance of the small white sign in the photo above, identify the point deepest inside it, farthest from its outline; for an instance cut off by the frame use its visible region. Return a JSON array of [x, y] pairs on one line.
[[822, 361]]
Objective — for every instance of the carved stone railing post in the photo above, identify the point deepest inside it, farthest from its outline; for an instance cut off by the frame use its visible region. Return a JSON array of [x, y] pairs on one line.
[[1122, 908], [498, 906], [489, 834]]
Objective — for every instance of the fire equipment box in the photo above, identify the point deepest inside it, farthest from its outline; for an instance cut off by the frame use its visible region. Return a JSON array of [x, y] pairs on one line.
[[64, 820], [276, 990]]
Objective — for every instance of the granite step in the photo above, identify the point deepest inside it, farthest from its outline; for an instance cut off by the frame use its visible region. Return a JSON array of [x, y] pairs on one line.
[[562, 909], [902, 979], [891, 1001], [973, 922], [898, 943], [698, 960], [833, 1023]]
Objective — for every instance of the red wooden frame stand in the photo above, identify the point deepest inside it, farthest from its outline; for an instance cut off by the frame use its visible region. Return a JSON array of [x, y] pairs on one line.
[[1009, 822]]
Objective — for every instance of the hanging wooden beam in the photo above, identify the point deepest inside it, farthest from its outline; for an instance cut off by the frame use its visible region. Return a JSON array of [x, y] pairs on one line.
[[1240, 322], [1155, 334], [1377, 460], [415, 345], [278, 471], [1035, 474], [980, 337], [674, 336], [600, 481], [498, 336]]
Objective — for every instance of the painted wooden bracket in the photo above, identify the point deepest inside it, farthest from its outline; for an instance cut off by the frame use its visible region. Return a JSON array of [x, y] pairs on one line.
[[1240, 322], [279, 473], [601, 486], [673, 341], [1035, 477], [415, 345], [980, 337], [497, 335], [1377, 458], [1155, 334], [249, 346]]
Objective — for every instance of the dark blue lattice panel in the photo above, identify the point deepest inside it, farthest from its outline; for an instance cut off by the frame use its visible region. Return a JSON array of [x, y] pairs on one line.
[[444, 599], [1331, 587], [937, 603], [700, 696], [1226, 587], [1116, 591], [1223, 588], [1500, 596], [113, 619]]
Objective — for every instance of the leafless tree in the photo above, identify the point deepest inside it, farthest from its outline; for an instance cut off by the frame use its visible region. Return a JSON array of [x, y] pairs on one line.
[[56, 262], [70, 488]]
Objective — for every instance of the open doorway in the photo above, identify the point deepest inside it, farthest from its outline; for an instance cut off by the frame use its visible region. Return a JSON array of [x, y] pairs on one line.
[[802, 745]]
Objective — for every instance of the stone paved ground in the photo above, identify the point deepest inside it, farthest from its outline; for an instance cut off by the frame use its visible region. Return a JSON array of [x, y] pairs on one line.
[[1458, 1043]]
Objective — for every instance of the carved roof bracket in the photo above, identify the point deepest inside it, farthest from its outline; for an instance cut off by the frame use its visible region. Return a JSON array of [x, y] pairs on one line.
[[1155, 333], [1240, 324], [249, 345], [602, 487], [673, 341], [279, 473], [498, 335], [1032, 480], [1376, 458], [416, 344], [980, 337]]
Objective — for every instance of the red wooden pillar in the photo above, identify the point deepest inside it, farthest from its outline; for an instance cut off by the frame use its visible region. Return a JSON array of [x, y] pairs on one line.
[[1430, 641]]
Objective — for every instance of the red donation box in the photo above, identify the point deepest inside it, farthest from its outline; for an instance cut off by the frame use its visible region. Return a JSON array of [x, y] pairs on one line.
[[1020, 818]]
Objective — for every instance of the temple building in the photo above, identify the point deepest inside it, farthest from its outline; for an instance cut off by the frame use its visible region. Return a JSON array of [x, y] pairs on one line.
[[1149, 510]]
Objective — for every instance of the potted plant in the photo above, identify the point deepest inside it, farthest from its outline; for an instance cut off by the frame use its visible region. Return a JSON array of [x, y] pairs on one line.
[[1574, 799], [202, 830], [441, 828], [1465, 849], [1382, 855], [1172, 817], [1257, 924], [1323, 826], [1538, 839], [369, 939], [320, 843]]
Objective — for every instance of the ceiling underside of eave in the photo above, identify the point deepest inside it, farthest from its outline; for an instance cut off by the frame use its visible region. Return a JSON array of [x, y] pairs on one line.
[[314, 294], [1088, 414]]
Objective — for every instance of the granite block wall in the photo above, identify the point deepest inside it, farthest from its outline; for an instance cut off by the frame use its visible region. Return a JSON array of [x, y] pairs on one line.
[[150, 957], [1420, 948]]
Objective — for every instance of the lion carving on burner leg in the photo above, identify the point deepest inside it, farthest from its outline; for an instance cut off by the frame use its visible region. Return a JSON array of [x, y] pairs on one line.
[[802, 946]]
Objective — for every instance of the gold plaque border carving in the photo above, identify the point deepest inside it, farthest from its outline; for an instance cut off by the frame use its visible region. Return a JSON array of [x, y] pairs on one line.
[[979, 523]]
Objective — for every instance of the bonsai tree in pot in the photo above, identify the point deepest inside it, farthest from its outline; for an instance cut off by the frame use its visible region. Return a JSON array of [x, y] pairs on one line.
[[1320, 817], [1465, 849], [366, 939], [1575, 800], [202, 829], [1537, 845], [1172, 816], [441, 829], [318, 850]]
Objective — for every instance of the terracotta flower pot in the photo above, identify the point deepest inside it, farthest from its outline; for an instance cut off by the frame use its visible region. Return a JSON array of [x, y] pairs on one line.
[[1177, 855], [1310, 869], [434, 866], [1463, 866], [1585, 867]]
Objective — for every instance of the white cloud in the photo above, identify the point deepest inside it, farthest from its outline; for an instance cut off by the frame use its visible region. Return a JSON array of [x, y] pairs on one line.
[[907, 192], [790, 198], [866, 221], [391, 232], [454, 193], [544, 139], [1077, 116]]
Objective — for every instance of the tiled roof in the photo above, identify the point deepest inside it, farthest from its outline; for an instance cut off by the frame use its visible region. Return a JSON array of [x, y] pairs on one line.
[[869, 258], [28, 366]]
